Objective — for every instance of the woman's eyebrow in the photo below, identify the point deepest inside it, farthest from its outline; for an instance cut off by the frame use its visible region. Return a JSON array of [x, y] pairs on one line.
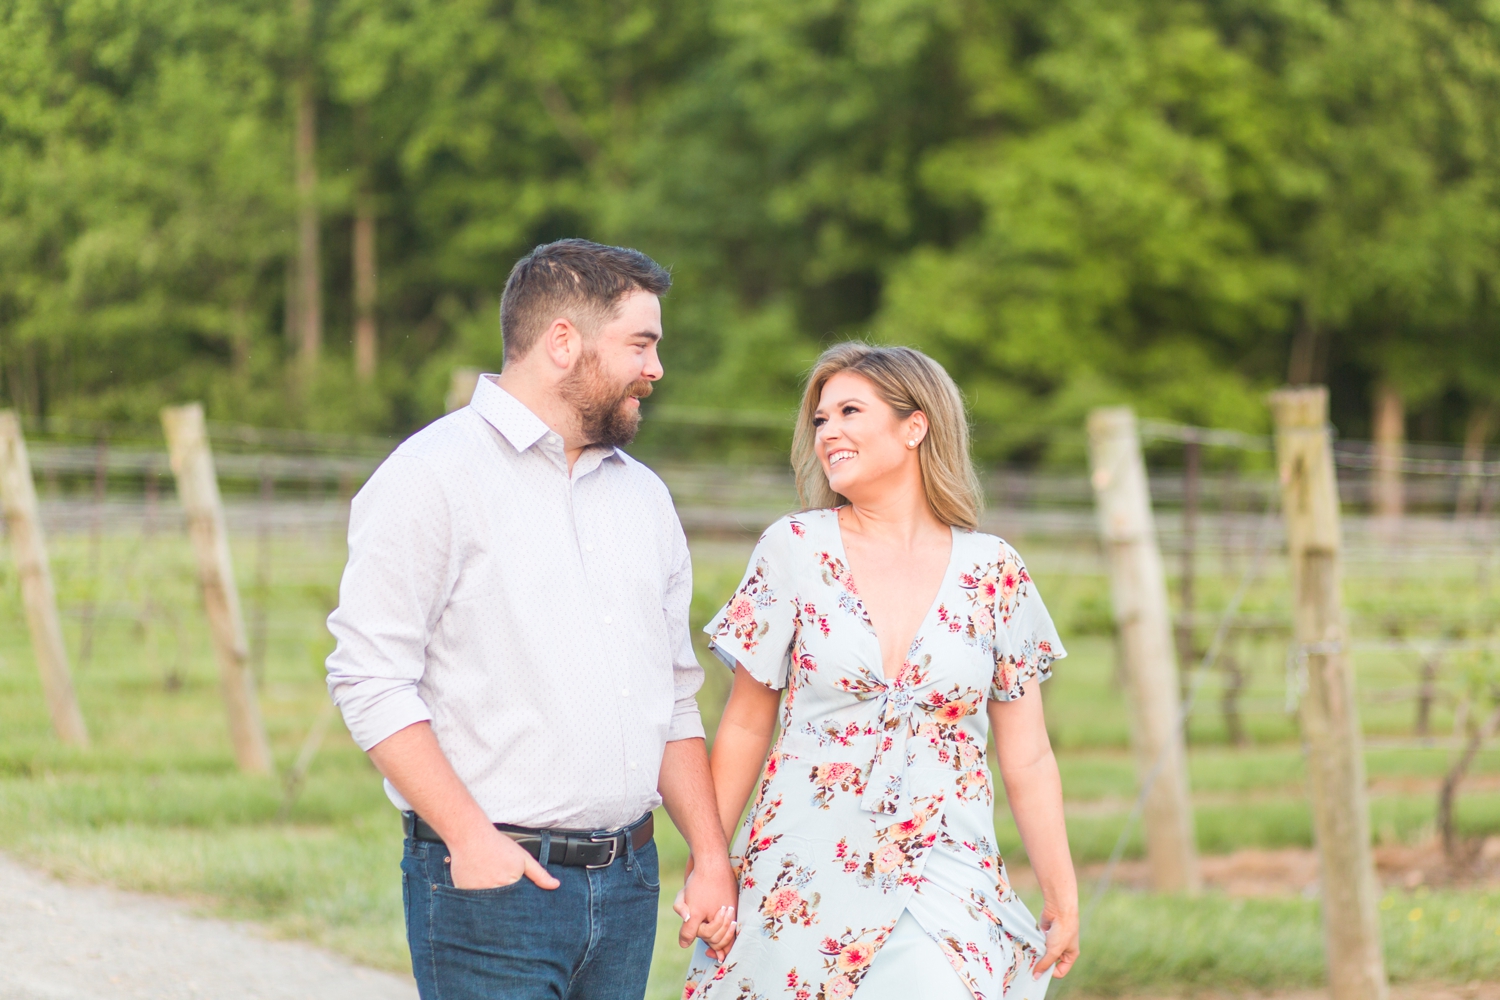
[[842, 402]]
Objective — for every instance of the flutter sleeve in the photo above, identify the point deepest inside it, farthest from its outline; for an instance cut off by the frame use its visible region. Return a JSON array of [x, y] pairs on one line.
[[1026, 641], [755, 628]]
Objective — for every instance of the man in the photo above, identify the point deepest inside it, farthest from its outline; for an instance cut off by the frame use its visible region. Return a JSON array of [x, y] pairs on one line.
[[513, 654]]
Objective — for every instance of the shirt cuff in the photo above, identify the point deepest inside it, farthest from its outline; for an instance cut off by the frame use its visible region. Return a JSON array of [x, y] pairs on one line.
[[687, 724], [377, 709]]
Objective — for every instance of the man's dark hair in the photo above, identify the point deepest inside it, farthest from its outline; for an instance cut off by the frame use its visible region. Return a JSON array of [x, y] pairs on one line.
[[580, 280]]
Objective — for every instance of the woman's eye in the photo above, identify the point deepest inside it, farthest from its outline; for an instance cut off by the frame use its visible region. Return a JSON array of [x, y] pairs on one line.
[[848, 410], [819, 421]]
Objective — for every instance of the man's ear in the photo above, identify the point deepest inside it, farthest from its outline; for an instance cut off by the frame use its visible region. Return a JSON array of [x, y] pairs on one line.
[[563, 343]]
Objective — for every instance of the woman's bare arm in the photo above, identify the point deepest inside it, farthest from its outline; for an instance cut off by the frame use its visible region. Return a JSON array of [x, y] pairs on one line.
[[1032, 783], [741, 744]]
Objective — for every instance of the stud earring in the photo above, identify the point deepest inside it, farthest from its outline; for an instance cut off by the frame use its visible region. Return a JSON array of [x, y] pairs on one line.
[[911, 444]]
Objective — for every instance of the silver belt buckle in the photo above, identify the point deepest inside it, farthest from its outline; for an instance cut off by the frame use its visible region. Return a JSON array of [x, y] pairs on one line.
[[614, 850]]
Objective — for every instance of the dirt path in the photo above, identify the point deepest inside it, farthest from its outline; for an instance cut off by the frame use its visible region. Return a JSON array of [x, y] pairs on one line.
[[69, 942]]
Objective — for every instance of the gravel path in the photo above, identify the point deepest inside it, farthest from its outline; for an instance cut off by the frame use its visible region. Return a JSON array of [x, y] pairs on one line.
[[68, 942]]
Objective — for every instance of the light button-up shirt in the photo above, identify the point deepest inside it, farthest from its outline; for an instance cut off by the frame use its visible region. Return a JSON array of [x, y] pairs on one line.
[[537, 618]]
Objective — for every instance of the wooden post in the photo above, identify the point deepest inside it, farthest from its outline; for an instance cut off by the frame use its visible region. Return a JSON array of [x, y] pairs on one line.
[[1330, 718], [18, 494], [1390, 445], [1191, 473], [1139, 589], [461, 388], [198, 490]]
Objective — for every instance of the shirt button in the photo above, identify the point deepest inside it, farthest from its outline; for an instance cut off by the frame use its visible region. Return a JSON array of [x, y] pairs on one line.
[[588, 548], [608, 620], [624, 692], [632, 765]]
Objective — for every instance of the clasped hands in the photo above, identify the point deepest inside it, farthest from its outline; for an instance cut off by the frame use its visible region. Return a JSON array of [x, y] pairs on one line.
[[706, 903]]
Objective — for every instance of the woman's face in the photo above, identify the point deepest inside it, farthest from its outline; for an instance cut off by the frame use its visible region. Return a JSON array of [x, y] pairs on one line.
[[861, 442]]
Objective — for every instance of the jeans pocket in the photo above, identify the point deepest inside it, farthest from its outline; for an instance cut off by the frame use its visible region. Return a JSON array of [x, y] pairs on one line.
[[447, 886], [647, 868]]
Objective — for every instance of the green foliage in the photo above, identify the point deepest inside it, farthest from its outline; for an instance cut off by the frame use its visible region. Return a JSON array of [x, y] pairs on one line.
[[1069, 202]]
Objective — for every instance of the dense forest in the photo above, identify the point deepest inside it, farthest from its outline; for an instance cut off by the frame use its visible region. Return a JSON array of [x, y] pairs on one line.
[[302, 211]]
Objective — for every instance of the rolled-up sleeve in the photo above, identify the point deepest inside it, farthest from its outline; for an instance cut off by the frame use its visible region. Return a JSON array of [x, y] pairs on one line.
[[394, 589], [687, 675]]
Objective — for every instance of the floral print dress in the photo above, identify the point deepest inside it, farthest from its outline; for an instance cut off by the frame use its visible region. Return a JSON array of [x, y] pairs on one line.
[[876, 799]]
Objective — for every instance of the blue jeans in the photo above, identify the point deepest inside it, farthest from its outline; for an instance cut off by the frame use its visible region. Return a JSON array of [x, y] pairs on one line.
[[589, 939]]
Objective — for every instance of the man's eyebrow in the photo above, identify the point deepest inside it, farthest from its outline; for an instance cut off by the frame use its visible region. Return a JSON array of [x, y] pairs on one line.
[[650, 335]]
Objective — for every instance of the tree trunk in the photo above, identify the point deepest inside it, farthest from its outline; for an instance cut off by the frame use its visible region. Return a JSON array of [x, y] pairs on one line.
[[1482, 420], [1303, 365], [309, 272], [1455, 774], [366, 342], [1427, 692], [1390, 442]]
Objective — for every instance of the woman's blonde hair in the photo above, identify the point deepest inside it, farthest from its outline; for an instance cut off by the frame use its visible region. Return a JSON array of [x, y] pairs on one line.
[[908, 381]]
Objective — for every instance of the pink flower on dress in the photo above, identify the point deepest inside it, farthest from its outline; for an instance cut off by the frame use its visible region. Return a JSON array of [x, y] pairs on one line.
[[911, 827], [839, 988], [832, 774], [1005, 675], [741, 610], [954, 710], [856, 956], [986, 587], [781, 902], [969, 754], [889, 858]]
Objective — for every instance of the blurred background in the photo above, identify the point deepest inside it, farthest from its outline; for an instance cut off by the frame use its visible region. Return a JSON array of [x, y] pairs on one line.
[[301, 214]]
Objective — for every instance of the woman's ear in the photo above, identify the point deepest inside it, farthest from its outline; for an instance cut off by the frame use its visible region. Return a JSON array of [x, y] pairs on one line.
[[916, 429]]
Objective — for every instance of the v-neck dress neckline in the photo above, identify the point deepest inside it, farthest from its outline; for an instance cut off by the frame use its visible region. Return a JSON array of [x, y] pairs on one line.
[[937, 598], [876, 800]]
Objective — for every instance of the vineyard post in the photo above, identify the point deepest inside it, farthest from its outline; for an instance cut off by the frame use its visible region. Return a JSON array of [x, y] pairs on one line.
[[29, 546], [461, 385], [1329, 716], [198, 490], [1139, 590]]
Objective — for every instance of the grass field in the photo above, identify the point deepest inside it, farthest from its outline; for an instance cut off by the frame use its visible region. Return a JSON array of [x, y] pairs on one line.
[[156, 803]]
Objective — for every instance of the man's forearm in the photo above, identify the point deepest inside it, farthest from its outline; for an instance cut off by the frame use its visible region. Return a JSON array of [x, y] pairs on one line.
[[412, 760], [687, 790]]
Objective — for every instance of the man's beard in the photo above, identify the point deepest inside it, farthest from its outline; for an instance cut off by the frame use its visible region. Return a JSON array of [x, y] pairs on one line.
[[603, 408]]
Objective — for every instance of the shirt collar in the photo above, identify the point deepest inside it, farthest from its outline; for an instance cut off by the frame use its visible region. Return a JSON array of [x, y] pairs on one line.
[[521, 427]]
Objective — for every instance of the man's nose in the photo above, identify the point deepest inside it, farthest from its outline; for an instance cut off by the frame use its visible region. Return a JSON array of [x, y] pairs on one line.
[[653, 369]]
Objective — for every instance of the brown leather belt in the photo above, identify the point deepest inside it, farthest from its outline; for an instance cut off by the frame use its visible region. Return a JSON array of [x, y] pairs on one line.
[[579, 848]]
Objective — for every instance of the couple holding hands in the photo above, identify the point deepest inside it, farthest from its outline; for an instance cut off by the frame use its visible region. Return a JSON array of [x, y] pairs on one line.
[[513, 653]]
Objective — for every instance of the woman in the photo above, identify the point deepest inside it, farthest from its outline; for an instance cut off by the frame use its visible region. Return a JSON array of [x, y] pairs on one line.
[[868, 860]]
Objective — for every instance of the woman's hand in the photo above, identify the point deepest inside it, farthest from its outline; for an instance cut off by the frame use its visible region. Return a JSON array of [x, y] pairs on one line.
[[719, 932], [1061, 929]]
